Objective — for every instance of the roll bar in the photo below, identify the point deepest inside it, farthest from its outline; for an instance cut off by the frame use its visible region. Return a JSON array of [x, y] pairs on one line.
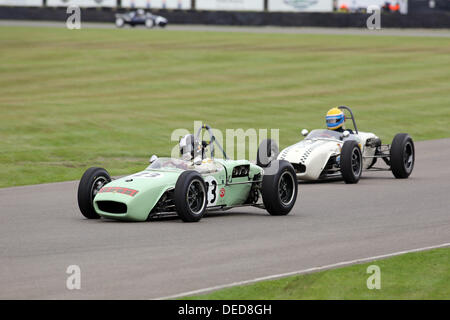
[[212, 140], [351, 116]]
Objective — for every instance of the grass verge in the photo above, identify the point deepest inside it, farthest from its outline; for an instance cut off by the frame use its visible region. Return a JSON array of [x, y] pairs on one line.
[[419, 275], [74, 99]]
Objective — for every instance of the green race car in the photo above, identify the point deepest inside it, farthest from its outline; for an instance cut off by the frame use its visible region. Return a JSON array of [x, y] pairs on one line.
[[189, 186]]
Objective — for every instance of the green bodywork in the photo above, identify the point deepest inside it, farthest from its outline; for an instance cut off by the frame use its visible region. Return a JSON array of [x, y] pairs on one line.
[[151, 184]]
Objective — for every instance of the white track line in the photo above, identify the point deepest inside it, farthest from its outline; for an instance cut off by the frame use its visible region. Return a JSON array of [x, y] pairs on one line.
[[298, 272]]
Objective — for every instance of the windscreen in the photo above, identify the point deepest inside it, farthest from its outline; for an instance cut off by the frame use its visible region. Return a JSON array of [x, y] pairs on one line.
[[324, 134], [170, 164]]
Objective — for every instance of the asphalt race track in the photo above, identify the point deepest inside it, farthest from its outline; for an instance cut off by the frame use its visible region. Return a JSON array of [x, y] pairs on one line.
[[445, 33], [42, 233]]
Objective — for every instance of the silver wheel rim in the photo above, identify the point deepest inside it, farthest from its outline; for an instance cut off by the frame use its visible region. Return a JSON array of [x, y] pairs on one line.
[[286, 187], [99, 182], [196, 197]]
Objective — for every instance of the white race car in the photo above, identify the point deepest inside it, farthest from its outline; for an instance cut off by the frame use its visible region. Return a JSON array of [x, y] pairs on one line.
[[325, 154]]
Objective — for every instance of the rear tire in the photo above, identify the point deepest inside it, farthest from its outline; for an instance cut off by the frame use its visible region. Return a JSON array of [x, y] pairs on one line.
[[267, 152], [351, 162], [190, 196], [279, 190], [402, 155], [91, 182]]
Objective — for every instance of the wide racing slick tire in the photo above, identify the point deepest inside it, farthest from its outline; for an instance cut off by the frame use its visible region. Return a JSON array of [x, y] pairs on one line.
[[267, 152], [279, 189], [91, 182], [402, 155], [190, 196], [351, 162]]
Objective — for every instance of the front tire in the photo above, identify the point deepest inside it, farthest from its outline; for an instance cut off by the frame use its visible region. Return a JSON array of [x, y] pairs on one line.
[[351, 162], [267, 152], [91, 182], [402, 155], [279, 190], [190, 196]]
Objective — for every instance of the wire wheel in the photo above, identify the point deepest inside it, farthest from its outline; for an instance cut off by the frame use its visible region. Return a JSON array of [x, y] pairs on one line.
[[99, 182]]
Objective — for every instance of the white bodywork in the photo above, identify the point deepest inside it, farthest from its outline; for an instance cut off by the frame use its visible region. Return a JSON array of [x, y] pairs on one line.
[[314, 153]]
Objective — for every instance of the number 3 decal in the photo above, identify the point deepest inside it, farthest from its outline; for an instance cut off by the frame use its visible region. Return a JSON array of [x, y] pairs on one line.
[[211, 184]]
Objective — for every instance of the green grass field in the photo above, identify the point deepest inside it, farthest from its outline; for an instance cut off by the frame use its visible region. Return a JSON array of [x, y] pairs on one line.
[[70, 99], [420, 275]]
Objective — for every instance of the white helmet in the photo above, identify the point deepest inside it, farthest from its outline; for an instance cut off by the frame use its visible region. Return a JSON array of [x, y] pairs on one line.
[[187, 147]]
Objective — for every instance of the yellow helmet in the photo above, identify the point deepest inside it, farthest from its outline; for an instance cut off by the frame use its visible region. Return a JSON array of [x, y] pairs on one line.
[[335, 118]]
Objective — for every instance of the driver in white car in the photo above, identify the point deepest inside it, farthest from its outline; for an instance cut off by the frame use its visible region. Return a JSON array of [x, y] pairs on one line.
[[335, 119]]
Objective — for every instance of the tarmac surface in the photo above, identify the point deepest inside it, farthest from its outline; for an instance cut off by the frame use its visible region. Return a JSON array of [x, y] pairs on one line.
[[262, 29], [42, 232]]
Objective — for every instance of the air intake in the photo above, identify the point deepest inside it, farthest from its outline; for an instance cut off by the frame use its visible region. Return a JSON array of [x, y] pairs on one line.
[[112, 206], [299, 168]]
